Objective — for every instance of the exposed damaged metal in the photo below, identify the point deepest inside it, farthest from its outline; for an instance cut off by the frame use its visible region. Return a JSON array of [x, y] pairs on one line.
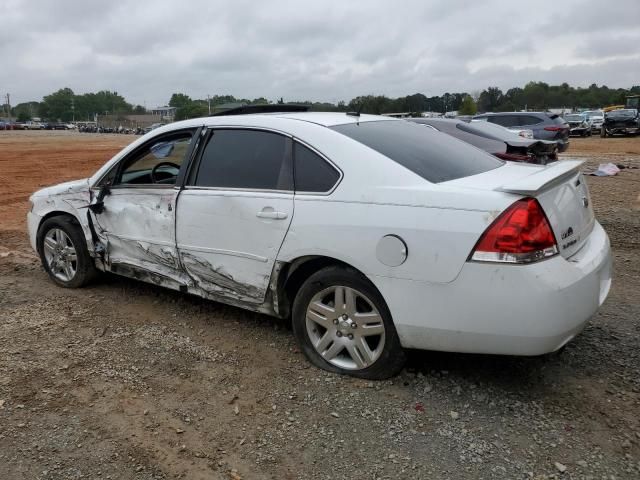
[[217, 280]]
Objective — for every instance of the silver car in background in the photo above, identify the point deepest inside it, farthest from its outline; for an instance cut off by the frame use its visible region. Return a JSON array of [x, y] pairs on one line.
[[597, 119]]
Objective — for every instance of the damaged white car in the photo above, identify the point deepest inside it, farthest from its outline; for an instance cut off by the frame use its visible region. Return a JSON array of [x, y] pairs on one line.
[[372, 234]]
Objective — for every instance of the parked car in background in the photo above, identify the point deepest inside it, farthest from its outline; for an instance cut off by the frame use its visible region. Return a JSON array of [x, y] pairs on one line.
[[494, 139], [153, 126], [3, 125], [33, 125], [545, 125], [579, 124], [625, 121], [372, 234], [596, 117]]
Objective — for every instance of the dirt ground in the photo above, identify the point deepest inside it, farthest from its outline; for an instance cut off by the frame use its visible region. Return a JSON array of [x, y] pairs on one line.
[[123, 380]]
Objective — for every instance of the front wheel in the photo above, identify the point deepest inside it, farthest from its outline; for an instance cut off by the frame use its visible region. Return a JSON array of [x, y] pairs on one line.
[[343, 325], [64, 254]]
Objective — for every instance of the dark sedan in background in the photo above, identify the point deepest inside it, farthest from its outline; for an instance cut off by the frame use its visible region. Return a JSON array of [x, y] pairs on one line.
[[495, 140], [625, 121], [544, 125]]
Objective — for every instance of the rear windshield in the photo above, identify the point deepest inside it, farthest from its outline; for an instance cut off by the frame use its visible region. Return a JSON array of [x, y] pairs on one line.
[[434, 156]]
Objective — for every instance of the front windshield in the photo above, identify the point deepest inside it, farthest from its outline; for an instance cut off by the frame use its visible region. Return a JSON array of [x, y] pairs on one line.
[[593, 113], [574, 118]]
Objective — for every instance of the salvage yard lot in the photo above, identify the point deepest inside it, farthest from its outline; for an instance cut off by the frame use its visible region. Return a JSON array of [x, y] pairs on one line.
[[126, 380]]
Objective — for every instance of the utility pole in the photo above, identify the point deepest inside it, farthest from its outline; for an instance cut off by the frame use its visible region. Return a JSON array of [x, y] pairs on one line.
[[9, 107], [73, 111], [209, 103]]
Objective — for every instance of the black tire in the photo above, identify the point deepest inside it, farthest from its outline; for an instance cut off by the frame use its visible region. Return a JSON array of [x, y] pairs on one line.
[[392, 357], [85, 269]]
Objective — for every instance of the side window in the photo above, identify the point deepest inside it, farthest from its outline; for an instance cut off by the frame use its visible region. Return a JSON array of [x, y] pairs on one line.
[[158, 163], [247, 159], [505, 120], [312, 172], [529, 120]]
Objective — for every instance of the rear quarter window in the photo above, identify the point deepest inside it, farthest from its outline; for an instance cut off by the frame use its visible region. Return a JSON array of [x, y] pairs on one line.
[[435, 156], [311, 172]]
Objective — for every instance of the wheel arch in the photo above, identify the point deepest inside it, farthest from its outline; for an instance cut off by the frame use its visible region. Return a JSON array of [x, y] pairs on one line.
[[291, 275], [57, 213]]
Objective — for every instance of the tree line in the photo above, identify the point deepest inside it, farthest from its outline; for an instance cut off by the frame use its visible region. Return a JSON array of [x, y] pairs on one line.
[[65, 105]]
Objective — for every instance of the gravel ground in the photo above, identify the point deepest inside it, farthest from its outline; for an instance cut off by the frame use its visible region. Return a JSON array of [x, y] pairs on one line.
[[123, 380]]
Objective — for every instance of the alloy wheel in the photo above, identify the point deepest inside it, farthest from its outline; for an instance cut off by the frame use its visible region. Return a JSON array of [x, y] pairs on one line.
[[345, 328], [60, 254]]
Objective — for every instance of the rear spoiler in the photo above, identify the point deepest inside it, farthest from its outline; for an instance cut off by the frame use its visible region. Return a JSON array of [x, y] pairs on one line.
[[553, 174]]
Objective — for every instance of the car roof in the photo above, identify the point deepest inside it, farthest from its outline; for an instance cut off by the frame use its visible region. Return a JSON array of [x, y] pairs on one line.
[[326, 119], [495, 114], [435, 120]]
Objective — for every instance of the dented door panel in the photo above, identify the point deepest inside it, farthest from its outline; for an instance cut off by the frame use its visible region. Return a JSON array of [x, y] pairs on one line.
[[137, 229], [228, 240]]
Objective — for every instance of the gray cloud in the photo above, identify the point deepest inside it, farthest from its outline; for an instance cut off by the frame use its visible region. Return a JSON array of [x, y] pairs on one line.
[[317, 50]]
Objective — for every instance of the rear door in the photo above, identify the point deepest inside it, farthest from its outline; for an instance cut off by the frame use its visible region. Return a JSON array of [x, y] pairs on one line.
[[234, 212]]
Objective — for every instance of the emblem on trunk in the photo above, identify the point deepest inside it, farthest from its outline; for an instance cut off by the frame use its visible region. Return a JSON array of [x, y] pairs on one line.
[[585, 202], [567, 233]]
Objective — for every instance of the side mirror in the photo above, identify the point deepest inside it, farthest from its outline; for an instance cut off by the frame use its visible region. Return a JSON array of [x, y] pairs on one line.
[[98, 206]]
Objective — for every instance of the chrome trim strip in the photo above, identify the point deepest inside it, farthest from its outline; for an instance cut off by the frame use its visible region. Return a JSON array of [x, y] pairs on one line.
[[220, 251]]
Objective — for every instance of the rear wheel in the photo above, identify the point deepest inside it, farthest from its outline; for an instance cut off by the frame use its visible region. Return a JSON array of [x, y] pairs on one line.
[[64, 254], [343, 325]]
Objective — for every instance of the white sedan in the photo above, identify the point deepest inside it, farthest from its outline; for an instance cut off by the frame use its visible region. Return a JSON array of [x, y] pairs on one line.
[[372, 234]]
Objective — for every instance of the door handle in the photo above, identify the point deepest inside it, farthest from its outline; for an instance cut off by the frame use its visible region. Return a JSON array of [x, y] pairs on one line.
[[269, 212]]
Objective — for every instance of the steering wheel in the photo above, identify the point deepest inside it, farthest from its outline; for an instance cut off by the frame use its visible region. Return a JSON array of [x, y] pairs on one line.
[[154, 170]]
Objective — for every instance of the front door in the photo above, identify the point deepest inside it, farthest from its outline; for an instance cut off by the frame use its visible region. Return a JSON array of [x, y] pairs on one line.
[[235, 211], [137, 223]]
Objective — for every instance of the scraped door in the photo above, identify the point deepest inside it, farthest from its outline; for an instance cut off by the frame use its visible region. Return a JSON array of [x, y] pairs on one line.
[[136, 225], [235, 212]]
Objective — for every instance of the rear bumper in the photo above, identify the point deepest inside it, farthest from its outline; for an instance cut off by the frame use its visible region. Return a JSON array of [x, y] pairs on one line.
[[504, 309]]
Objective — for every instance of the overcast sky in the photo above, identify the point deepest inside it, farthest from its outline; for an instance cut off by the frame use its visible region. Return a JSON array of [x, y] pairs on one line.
[[312, 50]]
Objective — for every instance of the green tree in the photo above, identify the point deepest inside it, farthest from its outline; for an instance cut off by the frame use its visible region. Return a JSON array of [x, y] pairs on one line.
[[468, 106], [180, 100], [490, 99], [58, 105], [25, 111]]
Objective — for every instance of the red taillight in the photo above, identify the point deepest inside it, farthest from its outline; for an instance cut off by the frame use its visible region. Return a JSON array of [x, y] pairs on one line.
[[514, 157], [555, 129], [521, 234]]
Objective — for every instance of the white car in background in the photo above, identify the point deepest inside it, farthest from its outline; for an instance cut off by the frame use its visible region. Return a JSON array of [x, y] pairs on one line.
[[597, 119], [372, 234]]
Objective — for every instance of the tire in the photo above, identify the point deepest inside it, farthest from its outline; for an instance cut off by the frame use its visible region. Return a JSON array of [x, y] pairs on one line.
[[347, 349], [64, 254]]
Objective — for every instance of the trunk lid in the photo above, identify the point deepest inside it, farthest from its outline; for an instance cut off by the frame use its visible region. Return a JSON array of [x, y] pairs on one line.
[[559, 187]]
